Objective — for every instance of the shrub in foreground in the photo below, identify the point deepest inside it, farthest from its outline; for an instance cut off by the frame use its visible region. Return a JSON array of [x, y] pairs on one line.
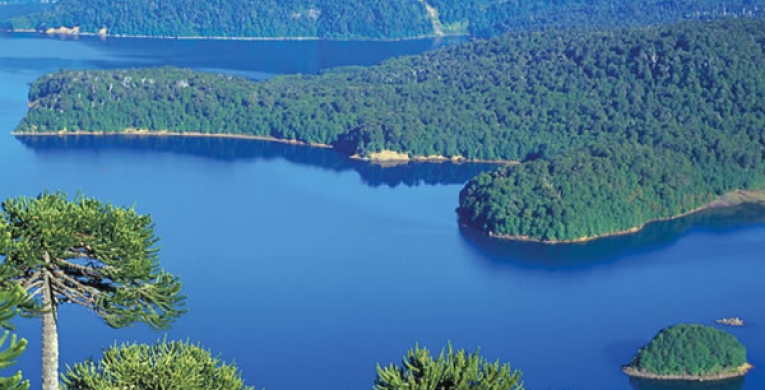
[[174, 365], [451, 371]]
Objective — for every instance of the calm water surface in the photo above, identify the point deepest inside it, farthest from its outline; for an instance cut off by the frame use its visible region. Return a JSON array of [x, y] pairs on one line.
[[308, 269]]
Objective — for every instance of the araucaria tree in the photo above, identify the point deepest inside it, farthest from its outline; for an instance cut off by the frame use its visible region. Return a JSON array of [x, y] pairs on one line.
[[89, 253], [451, 371], [166, 365]]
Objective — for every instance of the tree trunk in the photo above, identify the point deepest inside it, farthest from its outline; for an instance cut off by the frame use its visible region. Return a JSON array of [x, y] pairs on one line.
[[49, 333]]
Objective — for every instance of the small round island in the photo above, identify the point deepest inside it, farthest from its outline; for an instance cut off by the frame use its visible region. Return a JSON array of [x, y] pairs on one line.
[[690, 352]]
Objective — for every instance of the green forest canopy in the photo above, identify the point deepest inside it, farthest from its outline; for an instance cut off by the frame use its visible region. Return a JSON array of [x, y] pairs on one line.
[[590, 113], [388, 19], [694, 350]]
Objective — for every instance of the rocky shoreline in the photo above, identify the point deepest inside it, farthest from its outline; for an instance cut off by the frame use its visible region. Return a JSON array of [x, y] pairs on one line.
[[147, 133], [65, 31], [384, 157], [735, 373]]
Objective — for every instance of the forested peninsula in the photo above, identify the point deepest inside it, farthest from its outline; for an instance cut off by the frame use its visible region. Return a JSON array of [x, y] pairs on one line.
[[346, 19], [690, 352], [614, 128]]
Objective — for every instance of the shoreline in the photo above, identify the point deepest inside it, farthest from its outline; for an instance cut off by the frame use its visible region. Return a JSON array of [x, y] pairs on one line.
[[729, 199], [383, 159], [224, 38], [393, 157], [737, 372], [146, 133]]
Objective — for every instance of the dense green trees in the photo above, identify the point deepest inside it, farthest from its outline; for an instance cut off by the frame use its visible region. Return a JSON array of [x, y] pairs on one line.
[[241, 18], [352, 19], [173, 365], [520, 15], [601, 190], [511, 98], [590, 192], [89, 253], [636, 124], [451, 371], [694, 350]]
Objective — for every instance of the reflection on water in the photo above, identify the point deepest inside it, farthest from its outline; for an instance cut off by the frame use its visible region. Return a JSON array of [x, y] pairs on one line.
[[253, 59], [648, 384], [654, 235], [276, 57], [227, 149]]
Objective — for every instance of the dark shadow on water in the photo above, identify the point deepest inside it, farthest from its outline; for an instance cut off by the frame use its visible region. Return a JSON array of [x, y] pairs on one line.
[[583, 255], [255, 59], [226, 149], [268, 56], [648, 384]]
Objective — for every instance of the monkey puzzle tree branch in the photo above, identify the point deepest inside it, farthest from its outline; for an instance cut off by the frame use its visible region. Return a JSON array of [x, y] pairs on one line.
[[28, 282], [72, 294], [84, 270], [70, 281]]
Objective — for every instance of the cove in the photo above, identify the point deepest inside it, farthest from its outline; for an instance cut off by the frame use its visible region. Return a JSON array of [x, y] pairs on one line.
[[308, 268]]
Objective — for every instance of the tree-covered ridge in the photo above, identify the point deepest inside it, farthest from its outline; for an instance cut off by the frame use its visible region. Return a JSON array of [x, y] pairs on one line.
[[520, 15], [686, 98], [601, 190], [509, 98], [693, 350], [685, 127], [388, 19], [240, 18]]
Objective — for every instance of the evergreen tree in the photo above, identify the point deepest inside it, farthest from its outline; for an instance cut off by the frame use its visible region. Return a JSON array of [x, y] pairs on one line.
[[451, 371], [89, 253], [165, 365]]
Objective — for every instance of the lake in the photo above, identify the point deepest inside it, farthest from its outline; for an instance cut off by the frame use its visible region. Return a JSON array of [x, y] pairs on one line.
[[308, 269]]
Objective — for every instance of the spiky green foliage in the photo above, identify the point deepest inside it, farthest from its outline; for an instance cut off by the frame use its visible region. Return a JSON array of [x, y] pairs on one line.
[[89, 253], [10, 298], [174, 365], [99, 256], [451, 371]]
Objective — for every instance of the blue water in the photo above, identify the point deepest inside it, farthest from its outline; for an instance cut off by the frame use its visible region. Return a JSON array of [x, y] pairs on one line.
[[309, 269]]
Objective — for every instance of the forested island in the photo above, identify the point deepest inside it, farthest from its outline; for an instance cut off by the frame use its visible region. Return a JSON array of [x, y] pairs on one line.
[[690, 352], [345, 19], [614, 128]]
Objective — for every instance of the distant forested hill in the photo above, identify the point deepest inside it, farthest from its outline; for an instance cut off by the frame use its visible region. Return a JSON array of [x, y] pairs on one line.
[[388, 19], [615, 128], [21, 8]]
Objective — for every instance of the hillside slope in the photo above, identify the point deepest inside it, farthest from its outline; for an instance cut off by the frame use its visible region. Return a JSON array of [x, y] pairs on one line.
[[614, 128], [390, 19]]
